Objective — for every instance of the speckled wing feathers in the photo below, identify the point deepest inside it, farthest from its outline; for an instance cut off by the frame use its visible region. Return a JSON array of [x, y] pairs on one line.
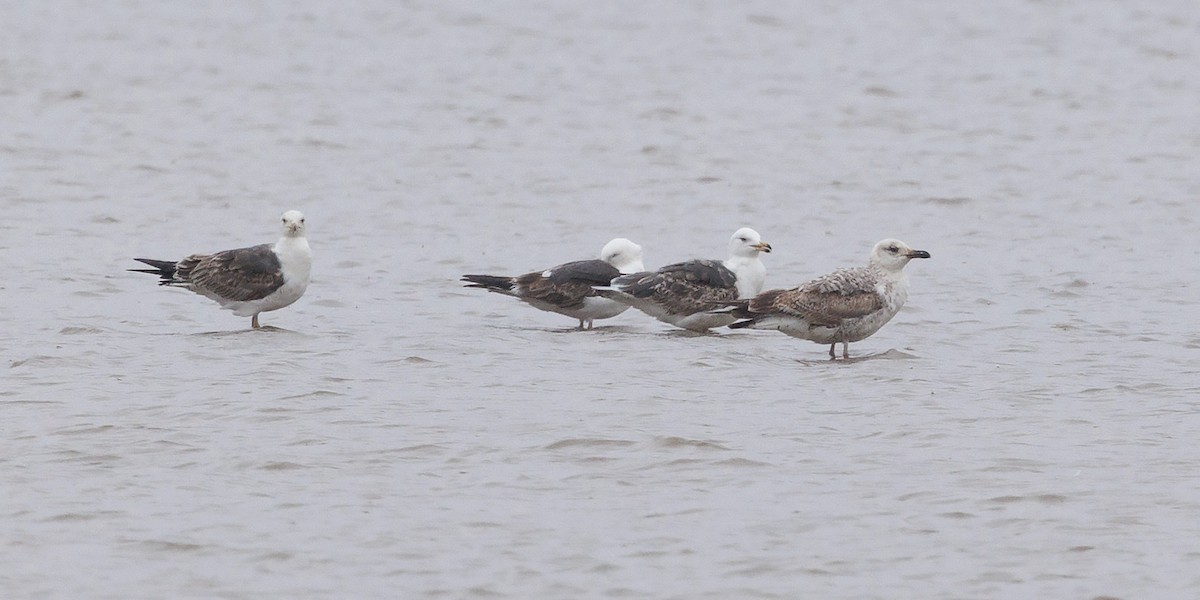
[[683, 288], [567, 285], [843, 294], [239, 275]]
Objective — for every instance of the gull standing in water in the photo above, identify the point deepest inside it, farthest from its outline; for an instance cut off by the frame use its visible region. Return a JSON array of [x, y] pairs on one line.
[[247, 281], [567, 288], [683, 294], [847, 305]]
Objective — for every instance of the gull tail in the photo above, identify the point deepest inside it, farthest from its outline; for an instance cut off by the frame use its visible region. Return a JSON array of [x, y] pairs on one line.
[[492, 283], [742, 324], [737, 308], [619, 288], [613, 293], [163, 268]]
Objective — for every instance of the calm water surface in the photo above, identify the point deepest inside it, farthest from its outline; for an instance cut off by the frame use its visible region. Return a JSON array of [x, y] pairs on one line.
[[1025, 428]]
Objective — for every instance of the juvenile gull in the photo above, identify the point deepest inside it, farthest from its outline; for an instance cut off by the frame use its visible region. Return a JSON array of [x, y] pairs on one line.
[[247, 281], [844, 306], [567, 288], [683, 294]]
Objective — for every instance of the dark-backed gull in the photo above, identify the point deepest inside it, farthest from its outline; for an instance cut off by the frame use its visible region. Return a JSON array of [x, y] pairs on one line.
[[683, 294], [844, 306], [247, 281], [567, 288]]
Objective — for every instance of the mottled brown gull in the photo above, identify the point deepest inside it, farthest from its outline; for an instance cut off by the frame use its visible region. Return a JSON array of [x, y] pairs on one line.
[[247, 281], [684, 293], [847, 305], [567, 288]]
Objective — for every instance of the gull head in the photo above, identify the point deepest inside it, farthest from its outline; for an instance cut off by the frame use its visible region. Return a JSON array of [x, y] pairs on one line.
[[293, 223], [623, 254], [894, 254], [746, 242]]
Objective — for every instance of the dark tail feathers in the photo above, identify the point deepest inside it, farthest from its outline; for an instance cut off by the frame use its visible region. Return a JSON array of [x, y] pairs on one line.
[[739, 309], [163, 268], [489, 282], [741, 324], [742, 308]]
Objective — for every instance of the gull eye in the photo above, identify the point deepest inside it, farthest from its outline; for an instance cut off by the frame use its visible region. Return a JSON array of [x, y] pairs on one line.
[[893, 249]]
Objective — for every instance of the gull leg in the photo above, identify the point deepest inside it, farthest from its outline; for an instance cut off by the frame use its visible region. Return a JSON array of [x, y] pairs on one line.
[[581, 327], [831, 352], [254, 322], [845, 349], [590, 324]]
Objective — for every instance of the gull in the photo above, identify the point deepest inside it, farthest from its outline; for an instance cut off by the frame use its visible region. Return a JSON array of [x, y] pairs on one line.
[[567, 288], [683, 294], [247, 281], [847, 305]]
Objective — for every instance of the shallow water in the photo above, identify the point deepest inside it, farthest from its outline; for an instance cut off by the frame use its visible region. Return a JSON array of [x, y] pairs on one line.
[[1024, 428]]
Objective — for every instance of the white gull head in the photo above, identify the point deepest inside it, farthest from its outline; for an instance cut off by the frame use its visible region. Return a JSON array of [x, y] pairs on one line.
[[746, 242], [293, 223], [623, 254], [744, 247], [891, 255]]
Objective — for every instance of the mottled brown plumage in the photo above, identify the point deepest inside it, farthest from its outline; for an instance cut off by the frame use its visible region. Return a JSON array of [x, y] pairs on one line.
[[827, 301], [239, 275], [844, 306], [682, 288], [565, 286], [683, 294], [247, 281], [568, 289]]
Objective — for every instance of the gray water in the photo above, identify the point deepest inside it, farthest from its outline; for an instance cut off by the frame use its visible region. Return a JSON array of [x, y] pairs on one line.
[[1025, 428]]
